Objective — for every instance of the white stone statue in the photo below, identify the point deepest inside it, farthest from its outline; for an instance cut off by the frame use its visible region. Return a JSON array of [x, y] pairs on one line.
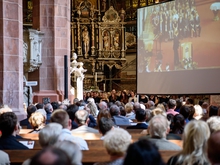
[[78, 70]]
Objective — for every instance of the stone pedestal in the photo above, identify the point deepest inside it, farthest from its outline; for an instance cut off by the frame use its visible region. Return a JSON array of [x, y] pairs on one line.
[[11, 56]]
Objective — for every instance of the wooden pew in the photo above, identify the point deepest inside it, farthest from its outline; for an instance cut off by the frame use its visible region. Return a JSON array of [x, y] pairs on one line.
[[89, 157]]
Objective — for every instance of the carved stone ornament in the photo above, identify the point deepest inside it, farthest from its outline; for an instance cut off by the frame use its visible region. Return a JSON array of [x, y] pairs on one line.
[[130, 39], [111, 15], [32, 47]]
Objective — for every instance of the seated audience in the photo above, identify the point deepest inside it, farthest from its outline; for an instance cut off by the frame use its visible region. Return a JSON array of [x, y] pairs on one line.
[[158, 130], [71, 110], [82, 119], [195, 137], [187, 111], [72, 150], [214, 148], [60, 116], [93, 109], [103, 113], [198, 112], [129, 108], [103, 105], [9, 126], [178, 124], [51, 156], [37, 121], [214, 123], [30, 109], [116, 143], [141, 118], [143, 152], [213, 111], [92, 122], [105, 125], [49, 109], [159, 111], [116, 117], [48, 136], [171, 107]]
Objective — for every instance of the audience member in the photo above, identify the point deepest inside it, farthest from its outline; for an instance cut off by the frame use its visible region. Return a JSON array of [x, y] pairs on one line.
[[49, 109], [93, 109], [214, 148], [55, 105], [132, 97], [158, 130], [214, 123], [129, 110], [103, 113], [71, 110], [141, 118], [117, 118], [195, 136], [116, 143], [198, 112], [187, 111], [8, 127], [51, 156], [60, 116], [178, 124], [30, 109], [171, 107], [213, 110], [143, 152], [92, 121], [105, 125], [72, 150], [122, 111], [82, 119], [37, 121], [103, 105]]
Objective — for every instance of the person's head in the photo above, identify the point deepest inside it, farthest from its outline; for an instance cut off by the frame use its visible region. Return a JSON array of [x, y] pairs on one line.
[[93, 108], [116, 142], [214, 148], [50, 156], [55, 105], [190, 101], [198, 112], [159, 126], [71, 110], [103, 105], [214, 123], [148, 115], [5, 108], [171, 104], [178, 124], [49, 134], [60, 116], [103, 113], [213, 110], [105, 124], [122, 111], [62, 106], [72, 150], [37, 120], [143, 152], [31, 109], [187, 111], [140, 115], [158, 111], [48, 108], [82, 117], [8, 123], [195, 136], [136, 106], [90, 99], [129, 107], [40, 106], [114, 110]]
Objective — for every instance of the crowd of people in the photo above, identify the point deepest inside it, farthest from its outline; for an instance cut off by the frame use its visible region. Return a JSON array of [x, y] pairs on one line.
[[112, 115]]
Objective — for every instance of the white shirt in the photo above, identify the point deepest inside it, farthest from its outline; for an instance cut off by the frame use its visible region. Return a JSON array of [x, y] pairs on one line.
[[67, 135]]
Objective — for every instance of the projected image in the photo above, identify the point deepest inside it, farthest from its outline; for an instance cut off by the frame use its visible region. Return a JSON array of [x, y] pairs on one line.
[[179, 35]]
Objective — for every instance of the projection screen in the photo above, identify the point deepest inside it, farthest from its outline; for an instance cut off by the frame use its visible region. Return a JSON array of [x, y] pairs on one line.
[[179, 48]]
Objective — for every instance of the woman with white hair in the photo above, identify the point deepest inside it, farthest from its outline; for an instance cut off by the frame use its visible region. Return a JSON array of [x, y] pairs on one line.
[[116, 142], [194, 152]]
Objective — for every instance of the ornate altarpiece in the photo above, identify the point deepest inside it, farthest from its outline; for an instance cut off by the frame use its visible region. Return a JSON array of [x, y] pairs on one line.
[[98, 39]]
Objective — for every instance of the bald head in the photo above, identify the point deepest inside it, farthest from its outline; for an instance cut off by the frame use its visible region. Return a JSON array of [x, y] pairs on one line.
[[214, 148]]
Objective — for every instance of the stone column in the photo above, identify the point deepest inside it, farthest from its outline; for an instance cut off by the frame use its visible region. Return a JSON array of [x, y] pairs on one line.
[[52, 17], [11, 56]]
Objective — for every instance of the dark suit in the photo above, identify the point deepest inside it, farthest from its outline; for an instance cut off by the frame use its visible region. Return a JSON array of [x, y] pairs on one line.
[[138, 126], [11, 143], [121, 120]]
